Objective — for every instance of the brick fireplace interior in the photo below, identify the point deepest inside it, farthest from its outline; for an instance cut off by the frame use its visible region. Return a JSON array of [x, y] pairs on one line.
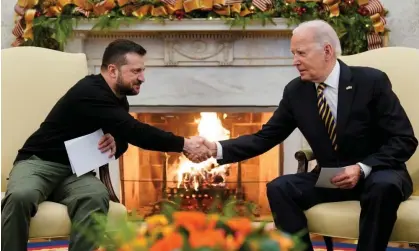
[[149, 177]]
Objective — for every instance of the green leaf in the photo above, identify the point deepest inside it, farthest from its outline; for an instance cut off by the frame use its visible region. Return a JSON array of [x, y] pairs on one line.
[[204, 249], [268, 245]]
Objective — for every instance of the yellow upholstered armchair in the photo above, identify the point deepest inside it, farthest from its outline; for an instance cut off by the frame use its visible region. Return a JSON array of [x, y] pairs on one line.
[[32, 80], [330, 219]]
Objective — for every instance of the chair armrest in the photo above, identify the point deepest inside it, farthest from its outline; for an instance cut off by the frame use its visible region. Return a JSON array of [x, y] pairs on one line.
[[106, 179], [303, 157]]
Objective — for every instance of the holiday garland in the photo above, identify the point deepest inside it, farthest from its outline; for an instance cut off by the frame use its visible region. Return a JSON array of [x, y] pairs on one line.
[[360, 24]]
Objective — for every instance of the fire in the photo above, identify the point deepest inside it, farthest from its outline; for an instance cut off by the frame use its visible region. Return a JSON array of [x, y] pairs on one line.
[[208, 173]]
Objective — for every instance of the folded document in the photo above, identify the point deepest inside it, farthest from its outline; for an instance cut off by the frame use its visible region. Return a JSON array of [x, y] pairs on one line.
[[84, 154], [325, 176]]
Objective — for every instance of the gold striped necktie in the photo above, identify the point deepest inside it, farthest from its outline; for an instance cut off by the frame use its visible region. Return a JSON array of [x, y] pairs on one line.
[[326, 114]]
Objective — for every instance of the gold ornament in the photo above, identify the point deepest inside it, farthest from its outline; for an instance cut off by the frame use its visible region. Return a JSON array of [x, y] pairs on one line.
[[377, 23], [333, 7], [362, 2]]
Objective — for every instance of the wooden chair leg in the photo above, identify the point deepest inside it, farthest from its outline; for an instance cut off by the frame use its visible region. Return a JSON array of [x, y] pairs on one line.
[[329, 242]]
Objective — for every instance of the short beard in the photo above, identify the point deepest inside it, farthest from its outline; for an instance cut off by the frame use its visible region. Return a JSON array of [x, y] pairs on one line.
[[121, 89]]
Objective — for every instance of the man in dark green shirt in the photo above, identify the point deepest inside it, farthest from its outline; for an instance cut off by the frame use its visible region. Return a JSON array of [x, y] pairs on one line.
[[42, 169]]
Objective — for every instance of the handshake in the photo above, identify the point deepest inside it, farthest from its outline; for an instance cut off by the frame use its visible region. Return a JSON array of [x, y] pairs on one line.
[[198, 149]]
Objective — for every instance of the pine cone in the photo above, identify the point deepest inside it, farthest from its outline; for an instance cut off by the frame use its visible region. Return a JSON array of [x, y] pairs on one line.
[[128, 10], [52, 44]]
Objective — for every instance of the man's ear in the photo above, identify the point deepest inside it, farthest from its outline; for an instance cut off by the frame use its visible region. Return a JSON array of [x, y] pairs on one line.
[[112, 71], [328, 51]]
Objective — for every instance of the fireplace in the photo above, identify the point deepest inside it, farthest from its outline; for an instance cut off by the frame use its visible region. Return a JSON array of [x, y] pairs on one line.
[[148, 178], [198, 66]]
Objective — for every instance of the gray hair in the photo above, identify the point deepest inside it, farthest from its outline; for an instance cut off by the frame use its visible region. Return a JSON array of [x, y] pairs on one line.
[[323, 34]]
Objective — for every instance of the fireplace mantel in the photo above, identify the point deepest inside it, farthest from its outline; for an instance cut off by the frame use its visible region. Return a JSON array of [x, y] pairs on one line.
[[195, 42]]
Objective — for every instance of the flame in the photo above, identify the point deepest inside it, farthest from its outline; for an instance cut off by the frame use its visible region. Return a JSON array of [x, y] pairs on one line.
[[195, 174], [210, 127]]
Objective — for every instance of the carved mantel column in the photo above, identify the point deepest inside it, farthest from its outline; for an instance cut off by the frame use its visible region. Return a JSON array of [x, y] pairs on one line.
[[76, 43]]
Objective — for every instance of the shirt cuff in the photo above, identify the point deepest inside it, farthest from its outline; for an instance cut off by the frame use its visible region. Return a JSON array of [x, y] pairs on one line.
[[219, 150], [365, 168]]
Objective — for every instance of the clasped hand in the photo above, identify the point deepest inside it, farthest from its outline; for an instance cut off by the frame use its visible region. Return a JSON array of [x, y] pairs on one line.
[[198, 149]]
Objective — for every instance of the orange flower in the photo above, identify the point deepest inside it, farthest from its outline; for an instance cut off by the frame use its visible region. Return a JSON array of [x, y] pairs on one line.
[[136, 243], [240, 225], [190, 220], [234, 243], [212, 220], [156, 221], [168, 243], [207, 238], [156, 232], [285, 243], [167, 230]]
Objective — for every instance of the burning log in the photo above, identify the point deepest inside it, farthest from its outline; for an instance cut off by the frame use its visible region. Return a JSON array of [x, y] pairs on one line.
[[218, 179], [207, 174]]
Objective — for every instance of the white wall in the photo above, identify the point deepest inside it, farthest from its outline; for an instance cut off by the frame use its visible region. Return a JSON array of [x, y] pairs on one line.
[[403, 21], [7, 15]]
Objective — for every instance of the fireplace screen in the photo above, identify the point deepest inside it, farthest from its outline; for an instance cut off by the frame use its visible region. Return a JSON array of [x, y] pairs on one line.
[[149, 178]]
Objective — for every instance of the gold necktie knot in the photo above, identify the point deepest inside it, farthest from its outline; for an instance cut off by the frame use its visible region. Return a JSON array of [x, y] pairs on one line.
[[321, 87]]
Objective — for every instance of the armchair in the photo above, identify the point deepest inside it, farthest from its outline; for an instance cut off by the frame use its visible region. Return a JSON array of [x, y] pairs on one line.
[[33, 79], [329, 219]]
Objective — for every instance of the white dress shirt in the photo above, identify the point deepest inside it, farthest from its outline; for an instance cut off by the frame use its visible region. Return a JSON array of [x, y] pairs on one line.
[[331, 95]]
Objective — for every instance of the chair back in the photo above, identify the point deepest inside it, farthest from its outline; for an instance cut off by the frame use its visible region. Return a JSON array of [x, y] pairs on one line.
[[402, 67], [32, 81]]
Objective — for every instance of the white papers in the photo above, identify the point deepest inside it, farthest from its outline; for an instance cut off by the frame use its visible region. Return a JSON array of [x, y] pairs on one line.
[[84, 154], [326, 174]]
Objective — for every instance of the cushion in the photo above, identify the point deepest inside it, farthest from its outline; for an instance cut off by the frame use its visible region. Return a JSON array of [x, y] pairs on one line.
[[341, 219], [52, 219]]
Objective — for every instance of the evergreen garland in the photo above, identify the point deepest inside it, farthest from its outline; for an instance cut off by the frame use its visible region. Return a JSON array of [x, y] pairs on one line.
[[352, 24]]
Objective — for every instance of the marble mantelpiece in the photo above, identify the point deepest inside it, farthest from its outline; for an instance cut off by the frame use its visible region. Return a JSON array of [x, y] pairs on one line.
[[203, 63], [196, 42]]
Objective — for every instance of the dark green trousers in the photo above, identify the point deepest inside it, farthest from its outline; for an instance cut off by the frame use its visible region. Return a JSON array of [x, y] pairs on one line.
[[33, 181]]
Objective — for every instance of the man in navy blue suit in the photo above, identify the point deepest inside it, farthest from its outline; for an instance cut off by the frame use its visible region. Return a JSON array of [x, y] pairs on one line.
[[351, 118]]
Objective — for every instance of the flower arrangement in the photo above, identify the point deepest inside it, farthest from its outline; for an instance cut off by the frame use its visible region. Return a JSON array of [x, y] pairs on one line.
[[360, 24], [196, 231]]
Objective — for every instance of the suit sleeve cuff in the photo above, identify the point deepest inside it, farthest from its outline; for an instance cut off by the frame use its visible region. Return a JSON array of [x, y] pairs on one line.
[[365, 168], [219, 150]]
